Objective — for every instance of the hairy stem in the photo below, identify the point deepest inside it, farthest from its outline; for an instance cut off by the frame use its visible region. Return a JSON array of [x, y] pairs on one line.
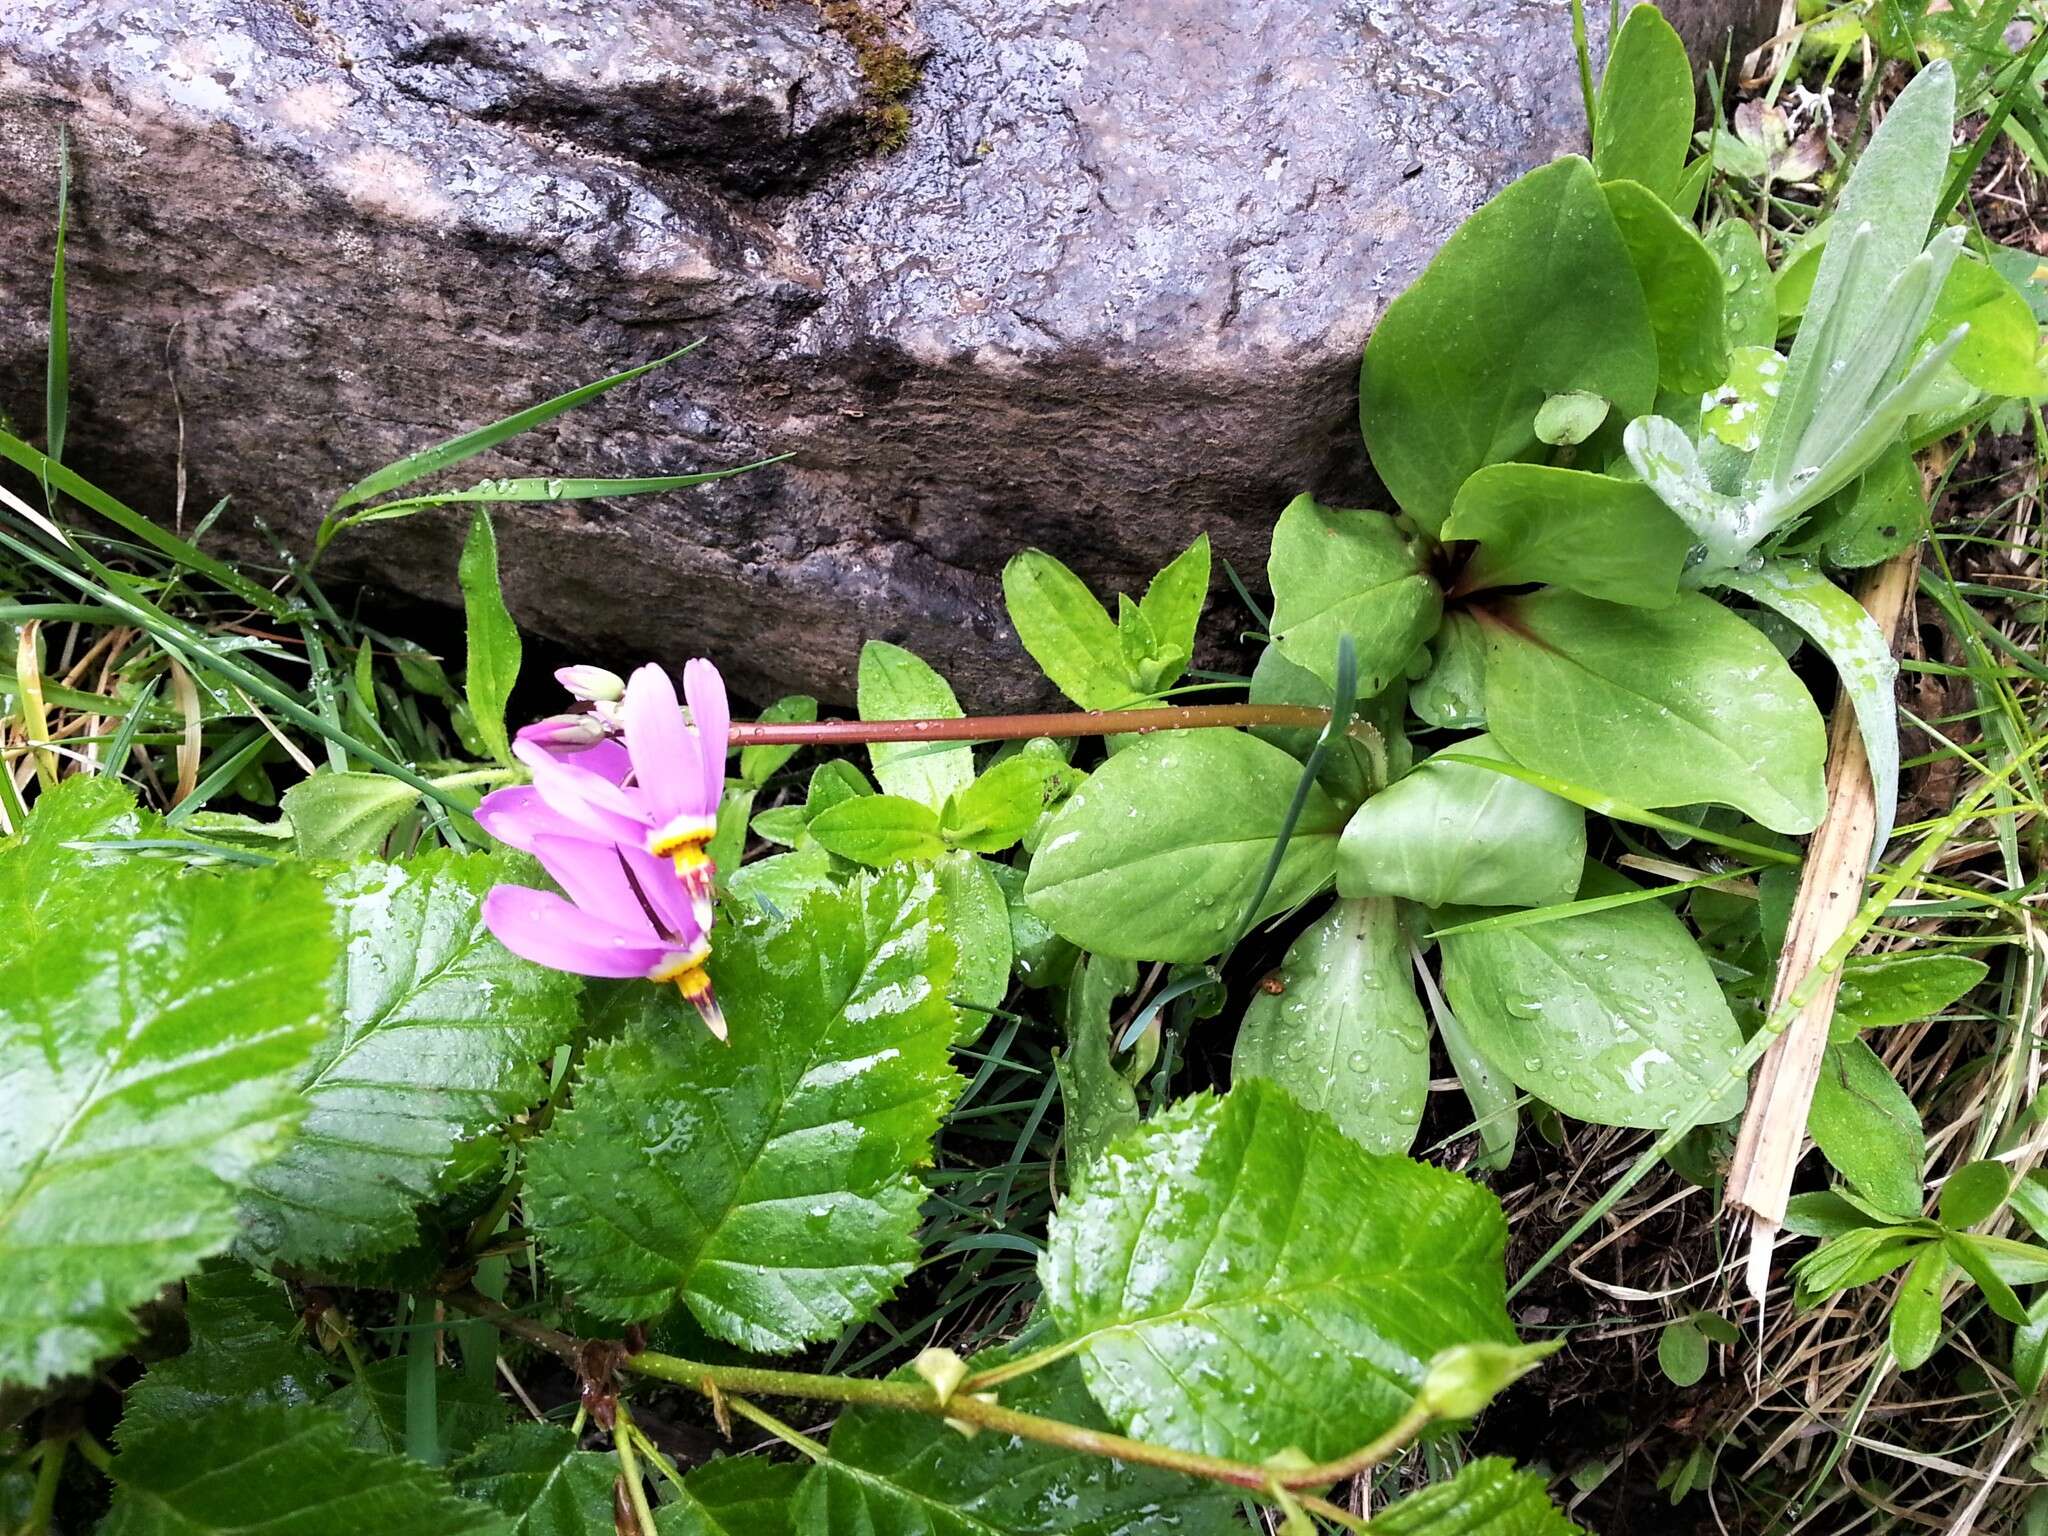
[[1068, 723], [977, 1409]]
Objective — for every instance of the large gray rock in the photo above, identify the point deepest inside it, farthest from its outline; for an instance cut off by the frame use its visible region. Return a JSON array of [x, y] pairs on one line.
[[1110, 292]]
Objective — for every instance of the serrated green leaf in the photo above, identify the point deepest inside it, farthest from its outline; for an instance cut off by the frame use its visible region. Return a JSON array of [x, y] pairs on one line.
[[1681, 283], [897, 1474], [1612, 1016], [1879, 991], [345, 815], [1868, 1129], [1610, 539], [150, 1041], [1642, 125], [998, 808], [733, 1496], [441, 1034], [37, 867], [1338, 1026], [1488, 1497], [1454, 832], [896, 684], [1657, 707], [535, 1475], [1336, 573], [1533, 296], [1238, 1276], [281, 1471], [879, 830], [1158, 854], [1066, 630], [242, 1353], [765, 1183], [493, 657]]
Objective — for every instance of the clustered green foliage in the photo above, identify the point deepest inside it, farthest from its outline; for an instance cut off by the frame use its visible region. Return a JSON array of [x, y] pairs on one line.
[[282, 1062]]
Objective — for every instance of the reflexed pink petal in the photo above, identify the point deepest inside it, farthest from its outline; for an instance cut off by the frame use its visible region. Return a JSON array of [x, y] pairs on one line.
[[664, 756], [585, 798], [712, 717], [542, 927], [516, 816], [665, 892], [596, 881]]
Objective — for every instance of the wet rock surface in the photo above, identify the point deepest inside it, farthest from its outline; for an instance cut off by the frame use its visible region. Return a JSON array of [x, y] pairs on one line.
[[1109, 292]]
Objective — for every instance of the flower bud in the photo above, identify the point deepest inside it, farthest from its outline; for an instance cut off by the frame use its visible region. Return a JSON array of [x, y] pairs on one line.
[[592, 684], [1465, 1378], [564, 733]]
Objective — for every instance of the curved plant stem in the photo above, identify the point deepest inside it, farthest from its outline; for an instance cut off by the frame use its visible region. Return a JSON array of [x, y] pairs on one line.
[[1066, 723], [623, 1436], [730, 1382]]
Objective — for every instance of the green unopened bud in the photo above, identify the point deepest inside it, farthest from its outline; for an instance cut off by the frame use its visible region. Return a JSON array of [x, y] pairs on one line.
[[942, 1369], [1464, 1379], [590, 683]]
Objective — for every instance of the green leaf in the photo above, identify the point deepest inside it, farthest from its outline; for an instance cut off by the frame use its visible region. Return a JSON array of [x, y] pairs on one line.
[[879, 830], [1339, 1027], [536, 1476], [1682, 1353], [1348, 771], [1643, 122], [38, 867], [894, 684], [1664, 706], [760, 764], [898, 1474], [1916, 1314], [150, 1042], [1973, 1192], [1862, 658], [1172, 606], [1452, 693], [1681, 284], [1613, 1017], [1976, 1258], [1610, 539], [767, 1184], [493, 665], [2001, 352], [2030, 1349], [1533, 296], [1337, 573], [242, 1353], [1099, 1104], [976, 916], [1867, 1128], [1157, 855], [1749, 305], [1005, 802], [281, 1471], [345, 815], [440, 1035], [1740, 407], [1496, 1115], [1245, 1242], [733, 1496], [1454, 832], [1883, 512], [1566, 420], [1066, 631], [1879, 991], [1488, 1497]]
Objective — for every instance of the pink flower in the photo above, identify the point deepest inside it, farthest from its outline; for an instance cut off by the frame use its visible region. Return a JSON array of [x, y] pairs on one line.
[[623, 830]]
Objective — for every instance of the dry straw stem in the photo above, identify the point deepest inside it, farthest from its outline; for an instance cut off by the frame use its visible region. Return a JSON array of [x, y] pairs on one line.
[[1830, 891]]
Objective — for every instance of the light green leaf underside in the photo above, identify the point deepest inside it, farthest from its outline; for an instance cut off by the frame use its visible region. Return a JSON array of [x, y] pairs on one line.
[[765, 1183], [442, 1033], [1239, 1276], [1344, 1032], [149, 1043]]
